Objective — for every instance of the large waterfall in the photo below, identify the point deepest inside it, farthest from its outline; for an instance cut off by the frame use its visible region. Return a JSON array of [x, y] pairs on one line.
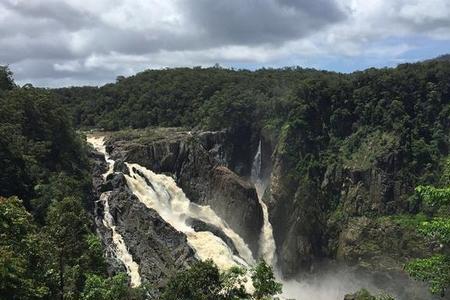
[[266, 240], [160, 192], [120, 249]]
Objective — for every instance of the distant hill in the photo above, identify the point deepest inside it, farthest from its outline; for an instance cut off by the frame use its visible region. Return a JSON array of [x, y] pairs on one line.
[[445, 57]]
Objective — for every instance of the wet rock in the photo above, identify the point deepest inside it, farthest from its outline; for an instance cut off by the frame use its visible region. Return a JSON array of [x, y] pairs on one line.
[[158, 248], [236, 201], [199, 225], [196, 161]]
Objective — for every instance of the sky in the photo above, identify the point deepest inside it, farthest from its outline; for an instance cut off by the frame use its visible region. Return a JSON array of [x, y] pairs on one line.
[[56, 43]]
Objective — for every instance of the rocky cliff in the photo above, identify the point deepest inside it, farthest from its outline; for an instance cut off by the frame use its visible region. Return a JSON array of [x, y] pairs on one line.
[[158, 249], [349, 211], [199, 163], [342, 212]]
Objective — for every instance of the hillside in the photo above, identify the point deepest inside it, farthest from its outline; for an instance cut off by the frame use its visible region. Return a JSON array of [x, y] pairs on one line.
[[336, 158]]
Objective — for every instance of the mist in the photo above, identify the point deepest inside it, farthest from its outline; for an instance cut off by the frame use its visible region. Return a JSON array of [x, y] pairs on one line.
[[333, 282]]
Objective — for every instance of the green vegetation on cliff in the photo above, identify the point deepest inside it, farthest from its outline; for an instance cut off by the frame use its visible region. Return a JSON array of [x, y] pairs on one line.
[[434, 270], [351, 147], [47, 244], [376, 133], [331, 116]]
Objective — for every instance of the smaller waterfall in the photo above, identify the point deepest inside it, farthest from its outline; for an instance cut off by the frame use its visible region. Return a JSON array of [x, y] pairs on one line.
[[266, 240], [161, 193], [120, 251], [98, 142]]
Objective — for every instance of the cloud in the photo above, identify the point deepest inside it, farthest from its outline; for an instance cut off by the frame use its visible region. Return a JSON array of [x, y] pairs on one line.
[[250, 22], [59, 42]]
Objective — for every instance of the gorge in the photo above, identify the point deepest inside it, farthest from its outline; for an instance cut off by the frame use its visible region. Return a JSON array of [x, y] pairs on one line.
[[199, 161], [338, 181]]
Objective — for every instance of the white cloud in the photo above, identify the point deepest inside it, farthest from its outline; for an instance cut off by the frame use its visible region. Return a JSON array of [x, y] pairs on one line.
[[53, 42]]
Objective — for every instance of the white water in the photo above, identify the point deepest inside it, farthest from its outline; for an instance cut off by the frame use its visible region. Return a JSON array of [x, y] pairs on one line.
[[98, 142], [266, 241], [120, 248], [160, 192]]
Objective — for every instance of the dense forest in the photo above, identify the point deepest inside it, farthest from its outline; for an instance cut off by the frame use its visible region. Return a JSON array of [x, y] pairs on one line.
[[321, 119], [324, 113], [48, 246]]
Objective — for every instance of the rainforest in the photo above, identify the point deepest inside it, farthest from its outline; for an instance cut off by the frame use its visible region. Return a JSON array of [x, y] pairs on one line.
[[221, 183]]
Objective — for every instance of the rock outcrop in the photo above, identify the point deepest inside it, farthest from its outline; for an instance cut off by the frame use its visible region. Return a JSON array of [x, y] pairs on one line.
[[198, 162], [158, 249]]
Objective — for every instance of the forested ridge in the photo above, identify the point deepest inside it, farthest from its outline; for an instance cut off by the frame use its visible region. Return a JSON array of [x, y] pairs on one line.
[[391, 118], [329, 112], [48, 246]]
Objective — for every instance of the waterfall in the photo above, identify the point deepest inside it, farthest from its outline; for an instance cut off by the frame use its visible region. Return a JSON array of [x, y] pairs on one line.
[[120, 248], [161, 193], [266, 240]]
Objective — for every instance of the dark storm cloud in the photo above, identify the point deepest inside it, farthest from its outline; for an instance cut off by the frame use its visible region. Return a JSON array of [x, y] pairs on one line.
[[261, 21]]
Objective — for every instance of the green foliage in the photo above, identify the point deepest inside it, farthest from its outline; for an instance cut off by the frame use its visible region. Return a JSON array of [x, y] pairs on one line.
[[200, 282], [37, 142], [362, 152], [433, 196], [112, 288], [435, 270], [204, 281], [6, 80], [364, 294], [437, 229], [233, 284], [408, 221], [46, 243], [20, 262], [264, 282]]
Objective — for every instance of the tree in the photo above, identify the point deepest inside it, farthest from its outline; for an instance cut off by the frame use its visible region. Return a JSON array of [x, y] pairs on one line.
[[203, 281], [434, 270], [21, 275], [264, 281], [233, 284], [6, 79], [67, 229], [200, 282], [112, 288]]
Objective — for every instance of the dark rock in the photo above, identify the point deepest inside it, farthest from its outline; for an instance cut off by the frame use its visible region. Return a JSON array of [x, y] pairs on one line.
[[199, 225], [380, 243], [158, 248], [194, 159], [155, 245], [308, 211], [236, 201]]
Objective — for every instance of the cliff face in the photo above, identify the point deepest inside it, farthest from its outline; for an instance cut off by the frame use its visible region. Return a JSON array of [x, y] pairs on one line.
[[198, 161], [342, 212], [158, 249], [347, 212]]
